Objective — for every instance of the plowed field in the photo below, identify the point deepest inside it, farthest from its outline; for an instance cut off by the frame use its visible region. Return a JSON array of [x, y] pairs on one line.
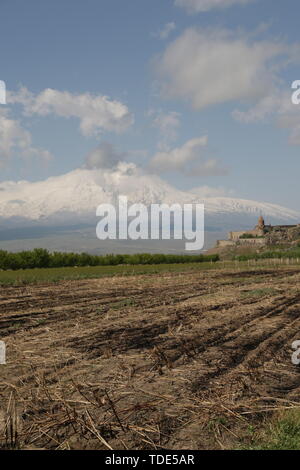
[[187, 360]]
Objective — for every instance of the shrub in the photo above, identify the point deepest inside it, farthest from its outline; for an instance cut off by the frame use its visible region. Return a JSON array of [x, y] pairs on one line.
[[41, 258]]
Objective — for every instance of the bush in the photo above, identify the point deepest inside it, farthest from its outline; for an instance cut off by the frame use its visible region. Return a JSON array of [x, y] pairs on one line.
[[271, 254], [41, 258]]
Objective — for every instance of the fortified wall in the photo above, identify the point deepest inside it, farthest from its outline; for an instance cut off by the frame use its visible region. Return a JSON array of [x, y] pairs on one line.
[[261, 235]]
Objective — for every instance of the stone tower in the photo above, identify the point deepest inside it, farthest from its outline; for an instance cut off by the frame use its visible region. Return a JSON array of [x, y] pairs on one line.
[[261, 223], [260, 227]]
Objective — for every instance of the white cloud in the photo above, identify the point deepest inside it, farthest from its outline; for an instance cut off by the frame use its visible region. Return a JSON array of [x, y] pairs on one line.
[[104, 156], [168, 124], [199, 6], [165, 32], [178, 158], [188, 159], [96, 113], [208, 67], [276, 107], [264, 107], [14, 139]]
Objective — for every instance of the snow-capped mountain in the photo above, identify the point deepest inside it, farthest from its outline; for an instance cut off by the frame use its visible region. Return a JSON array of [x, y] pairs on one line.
[[73, 198]]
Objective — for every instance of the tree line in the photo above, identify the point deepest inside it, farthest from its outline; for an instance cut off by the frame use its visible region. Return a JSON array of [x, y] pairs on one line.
[[42, 258]]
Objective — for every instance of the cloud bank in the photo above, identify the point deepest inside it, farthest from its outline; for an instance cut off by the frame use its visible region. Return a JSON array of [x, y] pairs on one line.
[[277, 107], [96, 113], [210, 67], [14, 139], [189, 159]]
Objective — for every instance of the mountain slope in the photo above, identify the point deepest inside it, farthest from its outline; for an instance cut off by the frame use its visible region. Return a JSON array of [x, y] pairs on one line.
[[73, 198]]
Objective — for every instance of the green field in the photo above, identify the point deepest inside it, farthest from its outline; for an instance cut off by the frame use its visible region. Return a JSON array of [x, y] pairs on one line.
[[40, 275], [32, 276]]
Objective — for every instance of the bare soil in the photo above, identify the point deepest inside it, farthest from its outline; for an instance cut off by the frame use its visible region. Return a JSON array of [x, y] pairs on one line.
[[179, 360]]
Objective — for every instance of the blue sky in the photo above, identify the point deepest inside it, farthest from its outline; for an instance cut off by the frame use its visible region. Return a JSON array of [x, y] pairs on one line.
[[197, 91]]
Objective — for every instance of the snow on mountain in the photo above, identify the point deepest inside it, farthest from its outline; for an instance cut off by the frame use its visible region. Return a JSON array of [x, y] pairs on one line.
[[73, 198]]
